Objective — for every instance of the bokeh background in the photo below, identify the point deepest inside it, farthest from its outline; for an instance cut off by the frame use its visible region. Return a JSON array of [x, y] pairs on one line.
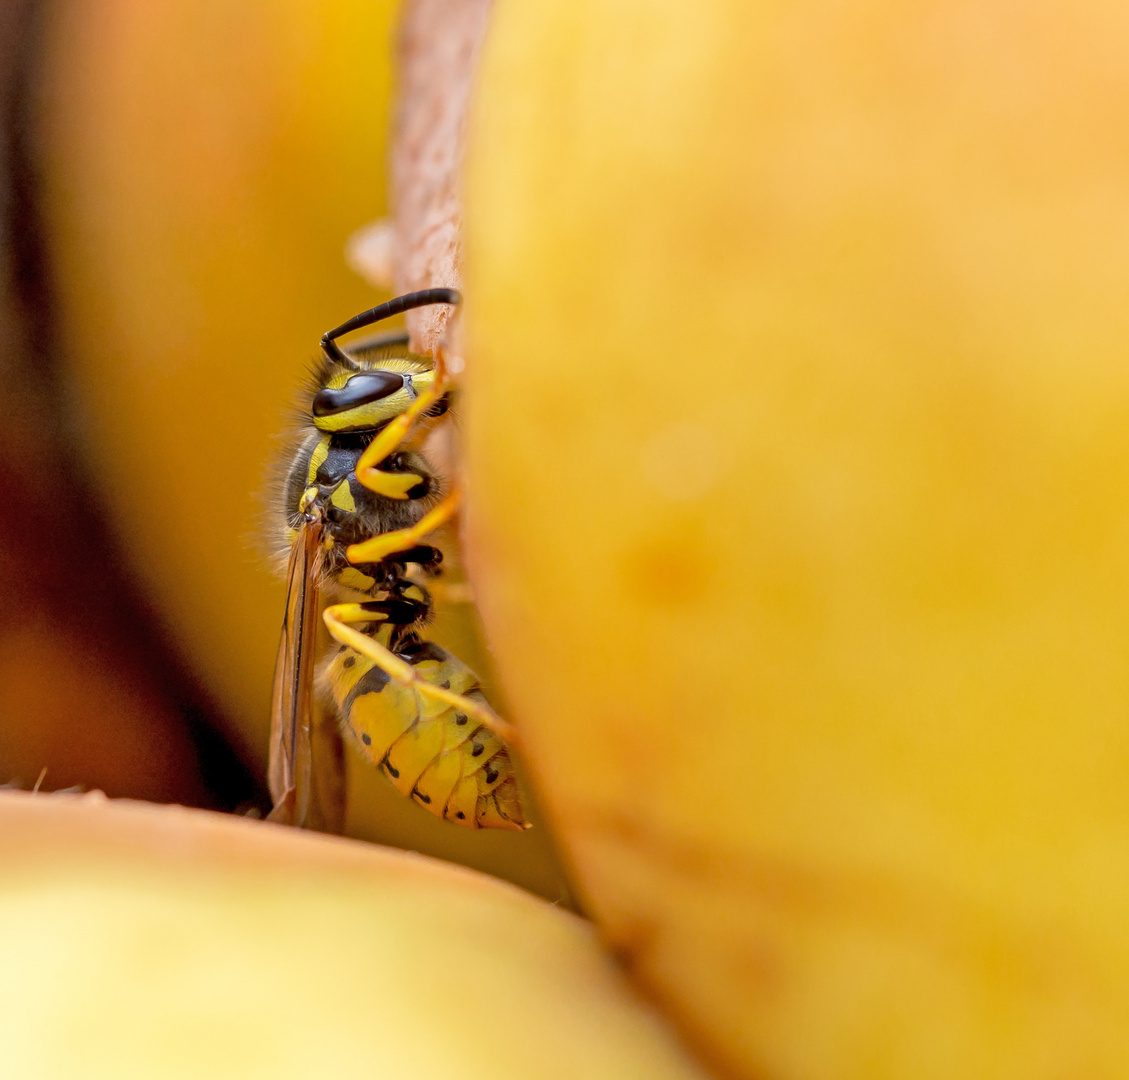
[[179, 184], [808, 319]]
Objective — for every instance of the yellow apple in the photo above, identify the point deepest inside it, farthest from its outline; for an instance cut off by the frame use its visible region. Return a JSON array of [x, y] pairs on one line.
[[144, 942], [798, 455]]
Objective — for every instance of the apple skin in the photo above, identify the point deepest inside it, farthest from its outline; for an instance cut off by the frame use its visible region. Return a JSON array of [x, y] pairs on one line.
[[798, 461], [162, 942]]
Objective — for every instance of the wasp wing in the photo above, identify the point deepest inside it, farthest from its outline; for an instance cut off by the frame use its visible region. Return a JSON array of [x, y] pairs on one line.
[[289, 773]]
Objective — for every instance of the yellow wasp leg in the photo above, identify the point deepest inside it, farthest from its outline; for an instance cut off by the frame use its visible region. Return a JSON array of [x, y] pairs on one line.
[[384, 544], [394, 485], [337, 619]]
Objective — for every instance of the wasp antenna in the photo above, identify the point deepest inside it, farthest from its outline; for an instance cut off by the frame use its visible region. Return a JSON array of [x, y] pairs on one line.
[[407, 302], [334, 353]]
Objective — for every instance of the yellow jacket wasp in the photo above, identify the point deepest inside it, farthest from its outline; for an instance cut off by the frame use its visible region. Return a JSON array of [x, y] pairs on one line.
[[359, 500]]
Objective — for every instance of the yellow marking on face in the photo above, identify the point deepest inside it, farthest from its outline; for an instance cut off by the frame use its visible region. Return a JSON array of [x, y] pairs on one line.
[[317, 459], [406, 365], [342, 498], [375, 413], [370, 415], [337, 381], [424, 381]]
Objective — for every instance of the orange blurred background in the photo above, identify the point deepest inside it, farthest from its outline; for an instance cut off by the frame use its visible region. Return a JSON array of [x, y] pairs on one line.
[[185, 177]]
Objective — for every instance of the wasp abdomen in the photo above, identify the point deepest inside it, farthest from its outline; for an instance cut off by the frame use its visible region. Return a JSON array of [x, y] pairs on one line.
[[431, 752]]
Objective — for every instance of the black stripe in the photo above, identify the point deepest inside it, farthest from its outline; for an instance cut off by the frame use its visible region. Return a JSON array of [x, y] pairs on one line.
[[372, 681]]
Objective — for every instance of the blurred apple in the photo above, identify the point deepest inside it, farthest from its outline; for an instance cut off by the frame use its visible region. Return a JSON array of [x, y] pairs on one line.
[[203, 168], [798, 448], [150, 942]]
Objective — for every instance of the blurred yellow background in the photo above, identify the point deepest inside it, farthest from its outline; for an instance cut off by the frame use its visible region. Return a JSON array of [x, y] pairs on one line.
[[201, 168]]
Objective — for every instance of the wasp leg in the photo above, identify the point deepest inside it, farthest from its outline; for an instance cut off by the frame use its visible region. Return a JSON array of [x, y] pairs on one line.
[[337, 619], [428, 558], [394, 433], [384, 544], [392, 485]]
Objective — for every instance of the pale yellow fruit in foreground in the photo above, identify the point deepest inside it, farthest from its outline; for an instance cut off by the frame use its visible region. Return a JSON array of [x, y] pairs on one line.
[[798, 447], [144, 942]]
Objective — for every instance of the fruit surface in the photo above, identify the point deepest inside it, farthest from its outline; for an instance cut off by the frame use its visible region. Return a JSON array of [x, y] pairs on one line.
[[798, 455], [160, 942]]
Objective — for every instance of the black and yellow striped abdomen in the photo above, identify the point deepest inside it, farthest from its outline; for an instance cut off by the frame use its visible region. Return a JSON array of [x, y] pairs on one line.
[[430, 751]]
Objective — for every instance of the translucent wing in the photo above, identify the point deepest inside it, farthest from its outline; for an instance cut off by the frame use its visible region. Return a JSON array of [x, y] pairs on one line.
[[289, 774]]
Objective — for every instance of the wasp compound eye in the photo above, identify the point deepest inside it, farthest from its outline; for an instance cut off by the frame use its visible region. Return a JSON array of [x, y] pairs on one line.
[[362, 389]]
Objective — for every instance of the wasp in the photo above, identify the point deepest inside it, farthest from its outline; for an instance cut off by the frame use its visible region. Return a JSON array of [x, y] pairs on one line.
[[360, 498]]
